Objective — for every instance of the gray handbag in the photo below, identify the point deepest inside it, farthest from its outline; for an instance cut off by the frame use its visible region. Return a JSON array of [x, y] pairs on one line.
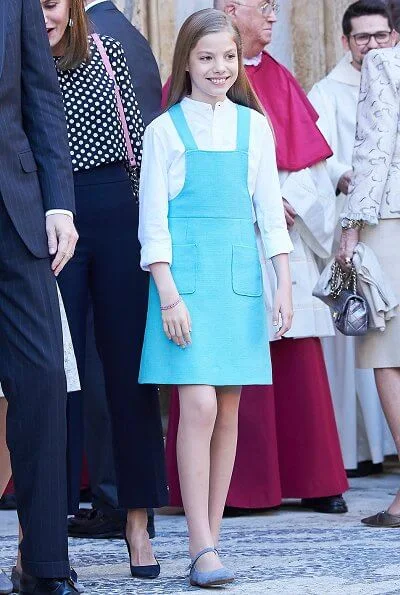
[[350, 310]]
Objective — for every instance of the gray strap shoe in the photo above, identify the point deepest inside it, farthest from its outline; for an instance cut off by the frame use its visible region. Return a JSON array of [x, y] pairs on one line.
[[383, 519], [210, 578], [6, 586]]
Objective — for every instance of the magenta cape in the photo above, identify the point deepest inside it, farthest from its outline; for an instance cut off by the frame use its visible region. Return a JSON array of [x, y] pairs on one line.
[[300, 143]]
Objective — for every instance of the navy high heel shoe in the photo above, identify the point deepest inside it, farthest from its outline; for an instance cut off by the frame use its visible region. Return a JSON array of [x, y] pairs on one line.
[[146, 572]]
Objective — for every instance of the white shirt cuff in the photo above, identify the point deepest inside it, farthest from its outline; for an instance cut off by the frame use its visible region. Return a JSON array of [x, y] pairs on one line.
[[155, 252], [277, 242], [59, 212]]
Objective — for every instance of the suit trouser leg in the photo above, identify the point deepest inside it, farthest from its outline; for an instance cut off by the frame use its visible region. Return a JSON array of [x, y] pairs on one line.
[[33, 378]]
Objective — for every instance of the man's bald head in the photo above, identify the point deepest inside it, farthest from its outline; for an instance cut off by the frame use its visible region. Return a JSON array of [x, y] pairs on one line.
[[253, 20]]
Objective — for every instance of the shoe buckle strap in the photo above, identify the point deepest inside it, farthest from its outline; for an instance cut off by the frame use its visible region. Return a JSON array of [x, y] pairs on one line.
[[206, 550]]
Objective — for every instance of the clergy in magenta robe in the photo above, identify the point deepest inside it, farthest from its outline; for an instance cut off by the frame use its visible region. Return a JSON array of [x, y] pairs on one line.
[[364, 434], [288, 445]]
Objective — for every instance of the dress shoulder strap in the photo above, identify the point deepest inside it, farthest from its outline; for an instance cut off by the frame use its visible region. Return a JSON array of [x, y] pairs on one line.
[[182, 127], [243, 128]]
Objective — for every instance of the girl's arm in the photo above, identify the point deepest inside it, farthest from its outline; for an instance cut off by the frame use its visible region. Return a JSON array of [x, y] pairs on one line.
[[175, 316], [155, 239], [267, 197], [268, 205], [283, 305]]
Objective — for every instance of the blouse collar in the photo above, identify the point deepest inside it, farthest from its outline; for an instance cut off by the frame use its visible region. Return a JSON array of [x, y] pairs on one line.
[[202, 108]]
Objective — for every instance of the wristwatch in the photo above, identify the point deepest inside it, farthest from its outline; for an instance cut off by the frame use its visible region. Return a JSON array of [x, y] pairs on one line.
[[352, 223]]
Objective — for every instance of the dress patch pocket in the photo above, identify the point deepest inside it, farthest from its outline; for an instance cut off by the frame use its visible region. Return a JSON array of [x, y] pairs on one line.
[[184, 265], [246, 271]]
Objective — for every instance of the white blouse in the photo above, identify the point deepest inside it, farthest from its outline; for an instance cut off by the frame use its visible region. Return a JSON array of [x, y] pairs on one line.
[[163, 175]]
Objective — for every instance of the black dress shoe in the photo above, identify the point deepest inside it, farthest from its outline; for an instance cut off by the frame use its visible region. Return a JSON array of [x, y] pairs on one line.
[[327, 505], [8, 502], [94, 524], [31, 585], [364, 469], [16, 580]]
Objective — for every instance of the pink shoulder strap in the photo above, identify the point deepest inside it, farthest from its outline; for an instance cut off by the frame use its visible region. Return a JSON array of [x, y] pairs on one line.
[[108, 67]]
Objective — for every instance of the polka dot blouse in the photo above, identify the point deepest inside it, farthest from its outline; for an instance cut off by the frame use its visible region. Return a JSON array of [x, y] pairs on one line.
[[94, 129]]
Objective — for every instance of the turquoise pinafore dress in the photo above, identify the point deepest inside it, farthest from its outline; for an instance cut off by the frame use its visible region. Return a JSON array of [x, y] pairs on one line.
[[216, 268]]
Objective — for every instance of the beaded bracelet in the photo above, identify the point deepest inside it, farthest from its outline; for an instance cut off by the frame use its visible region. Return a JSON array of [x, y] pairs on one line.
[[171, 306]]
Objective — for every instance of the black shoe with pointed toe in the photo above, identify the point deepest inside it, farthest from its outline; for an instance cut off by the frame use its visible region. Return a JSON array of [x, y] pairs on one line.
[[145, 572]]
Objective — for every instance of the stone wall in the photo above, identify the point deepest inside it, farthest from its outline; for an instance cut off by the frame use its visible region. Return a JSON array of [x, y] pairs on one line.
[[156, 20], [316, 35], [307, 36]]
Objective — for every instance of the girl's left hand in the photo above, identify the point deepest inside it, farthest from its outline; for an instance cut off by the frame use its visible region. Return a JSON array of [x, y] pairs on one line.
[[282, 306]]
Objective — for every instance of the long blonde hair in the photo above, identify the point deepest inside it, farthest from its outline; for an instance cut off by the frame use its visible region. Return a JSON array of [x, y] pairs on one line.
[[198, 25]]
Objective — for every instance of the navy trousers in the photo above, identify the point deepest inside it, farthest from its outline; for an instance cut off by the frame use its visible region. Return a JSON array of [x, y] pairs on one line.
[[106, 268], [33, 379], [99, 453]]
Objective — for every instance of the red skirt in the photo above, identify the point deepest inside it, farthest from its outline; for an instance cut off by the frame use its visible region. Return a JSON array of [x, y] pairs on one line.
[[288, 445]]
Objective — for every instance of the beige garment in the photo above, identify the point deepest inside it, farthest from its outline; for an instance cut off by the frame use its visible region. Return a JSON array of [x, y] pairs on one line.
[[374, 287], [382, 349]]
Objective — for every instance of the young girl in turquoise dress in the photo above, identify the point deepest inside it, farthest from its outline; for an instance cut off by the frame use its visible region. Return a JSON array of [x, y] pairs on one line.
[[208, 176]]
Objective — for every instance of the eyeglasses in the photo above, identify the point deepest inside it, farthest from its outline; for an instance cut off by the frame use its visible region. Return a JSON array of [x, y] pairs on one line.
[[265, 8], [362, 39]]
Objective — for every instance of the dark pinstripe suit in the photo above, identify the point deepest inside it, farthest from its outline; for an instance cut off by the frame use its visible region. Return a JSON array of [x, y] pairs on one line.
[[35, 176]]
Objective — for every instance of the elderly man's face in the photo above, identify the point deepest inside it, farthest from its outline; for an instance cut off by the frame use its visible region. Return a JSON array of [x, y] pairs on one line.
[[369, 32], [255, 20]]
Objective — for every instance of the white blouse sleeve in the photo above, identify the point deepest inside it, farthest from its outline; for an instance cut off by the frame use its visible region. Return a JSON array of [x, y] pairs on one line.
[[154, 235], [267, 200]]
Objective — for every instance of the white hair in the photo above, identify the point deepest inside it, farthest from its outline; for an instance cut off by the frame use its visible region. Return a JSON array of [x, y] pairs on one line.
[[219, 4]]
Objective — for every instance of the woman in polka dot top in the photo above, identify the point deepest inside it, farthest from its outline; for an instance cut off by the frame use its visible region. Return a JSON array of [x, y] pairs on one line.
[[105, 267]]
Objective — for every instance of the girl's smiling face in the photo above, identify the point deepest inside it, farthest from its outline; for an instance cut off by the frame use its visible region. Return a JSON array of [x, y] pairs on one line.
[[213, 67], [56, 15]]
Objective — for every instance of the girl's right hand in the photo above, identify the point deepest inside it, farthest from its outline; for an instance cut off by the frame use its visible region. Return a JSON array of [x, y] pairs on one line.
[[178, 325]]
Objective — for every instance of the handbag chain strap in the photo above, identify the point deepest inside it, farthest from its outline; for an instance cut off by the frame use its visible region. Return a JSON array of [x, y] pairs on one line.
[[342, 280]]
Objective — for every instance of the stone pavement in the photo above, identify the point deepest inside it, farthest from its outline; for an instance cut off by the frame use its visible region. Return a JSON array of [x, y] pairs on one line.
[[290, 551]]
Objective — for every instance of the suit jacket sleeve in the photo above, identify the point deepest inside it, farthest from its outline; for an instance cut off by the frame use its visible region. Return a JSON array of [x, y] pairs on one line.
[[43, 112], [377, 122]]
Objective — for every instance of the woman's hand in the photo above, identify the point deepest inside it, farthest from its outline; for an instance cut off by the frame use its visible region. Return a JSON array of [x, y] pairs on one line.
[[283, 306], [177, 324], [348, 242]]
